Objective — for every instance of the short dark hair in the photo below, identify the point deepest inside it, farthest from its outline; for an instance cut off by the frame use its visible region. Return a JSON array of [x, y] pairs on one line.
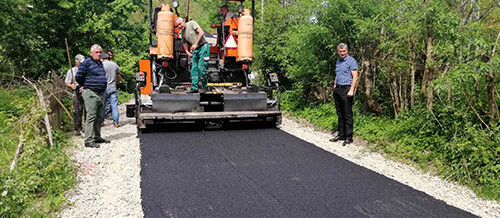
[[110, 50], [105, 55], [224, 6]]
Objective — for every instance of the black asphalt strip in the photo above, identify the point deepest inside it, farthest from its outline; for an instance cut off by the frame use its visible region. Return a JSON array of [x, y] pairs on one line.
[[267, 173]]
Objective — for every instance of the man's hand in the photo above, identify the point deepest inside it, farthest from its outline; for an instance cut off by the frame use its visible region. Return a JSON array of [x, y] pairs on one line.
[[194, 47], [189, 54], [350, 93], [215, 25], [81, 89], [73, 86]]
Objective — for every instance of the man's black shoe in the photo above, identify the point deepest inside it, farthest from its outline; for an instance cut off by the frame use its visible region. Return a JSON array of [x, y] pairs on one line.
[[192, 91], [337, 138], [91, 145], [101, 140], [347, 141]]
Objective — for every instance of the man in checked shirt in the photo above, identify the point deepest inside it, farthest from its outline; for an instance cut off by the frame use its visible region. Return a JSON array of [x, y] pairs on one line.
[[344, 89]]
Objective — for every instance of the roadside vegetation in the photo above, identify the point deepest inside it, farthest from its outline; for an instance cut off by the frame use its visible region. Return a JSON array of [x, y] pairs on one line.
[[35, 187], [428, 88]]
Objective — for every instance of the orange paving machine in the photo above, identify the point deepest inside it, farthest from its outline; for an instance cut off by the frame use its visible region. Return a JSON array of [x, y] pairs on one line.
[[163, 80]]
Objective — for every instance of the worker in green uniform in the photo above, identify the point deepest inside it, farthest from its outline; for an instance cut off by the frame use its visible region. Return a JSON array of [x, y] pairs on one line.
[[193, 41]]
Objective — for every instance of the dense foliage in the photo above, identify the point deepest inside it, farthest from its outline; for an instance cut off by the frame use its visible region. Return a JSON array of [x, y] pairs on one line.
[[32, 34], [429, 85]]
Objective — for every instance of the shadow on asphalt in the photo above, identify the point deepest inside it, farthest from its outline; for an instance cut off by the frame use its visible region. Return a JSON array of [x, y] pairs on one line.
[[207, 126]]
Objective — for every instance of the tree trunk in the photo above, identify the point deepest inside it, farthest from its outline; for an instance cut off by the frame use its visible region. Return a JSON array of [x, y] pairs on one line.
[[428, 69], [430, 97], [426, 79], [369, 102], [393, 99], [404, 94], [412, 72], [490, 81]]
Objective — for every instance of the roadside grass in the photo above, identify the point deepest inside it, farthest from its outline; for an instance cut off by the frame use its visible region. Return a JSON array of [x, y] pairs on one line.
[[452, 147], [124, 97], [36, 187]]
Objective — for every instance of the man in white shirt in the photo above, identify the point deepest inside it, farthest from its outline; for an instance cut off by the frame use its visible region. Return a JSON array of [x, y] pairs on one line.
[[78, 104]]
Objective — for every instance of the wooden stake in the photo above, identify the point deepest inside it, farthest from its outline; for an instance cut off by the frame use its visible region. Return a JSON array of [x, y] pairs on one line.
[[69, 62], [18, 151]]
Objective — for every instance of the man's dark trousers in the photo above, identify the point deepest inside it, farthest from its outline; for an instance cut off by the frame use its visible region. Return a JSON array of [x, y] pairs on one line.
[[343, 104], [78, 108], [93, 108]]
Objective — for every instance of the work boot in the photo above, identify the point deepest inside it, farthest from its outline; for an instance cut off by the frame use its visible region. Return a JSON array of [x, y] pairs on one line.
[[336, 138], [116, 125], [91, 145], [347, 141], [101, 140]]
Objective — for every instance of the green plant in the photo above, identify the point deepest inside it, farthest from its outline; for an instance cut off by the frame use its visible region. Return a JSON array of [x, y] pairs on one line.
[[43, 173]]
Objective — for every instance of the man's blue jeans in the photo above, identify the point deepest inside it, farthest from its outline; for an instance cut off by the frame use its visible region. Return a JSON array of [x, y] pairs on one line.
[[110, 97]]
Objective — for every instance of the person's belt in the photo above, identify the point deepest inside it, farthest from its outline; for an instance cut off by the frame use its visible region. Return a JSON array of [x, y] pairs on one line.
[[199, 46]]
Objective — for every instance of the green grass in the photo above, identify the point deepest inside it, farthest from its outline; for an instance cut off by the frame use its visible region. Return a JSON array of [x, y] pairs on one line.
[[124, 97]]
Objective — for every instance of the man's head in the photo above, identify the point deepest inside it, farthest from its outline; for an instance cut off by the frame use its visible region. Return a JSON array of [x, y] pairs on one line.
[[223, 10], [105, 56], [342, 50], [79, 59], [179, 22], [95, 52], [111, 53]]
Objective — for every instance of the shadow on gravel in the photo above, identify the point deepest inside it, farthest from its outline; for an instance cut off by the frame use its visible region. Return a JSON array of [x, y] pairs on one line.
[[119, 136], [207, 126]]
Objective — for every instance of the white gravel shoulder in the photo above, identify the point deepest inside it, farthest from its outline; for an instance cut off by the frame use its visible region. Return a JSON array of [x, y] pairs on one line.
[[449, 192], [109, 177]]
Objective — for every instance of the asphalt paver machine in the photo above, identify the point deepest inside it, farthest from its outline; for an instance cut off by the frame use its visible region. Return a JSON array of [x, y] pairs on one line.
[[163, 80]]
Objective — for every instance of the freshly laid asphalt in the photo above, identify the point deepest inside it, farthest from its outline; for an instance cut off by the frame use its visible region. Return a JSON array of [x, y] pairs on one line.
[[267, 173]]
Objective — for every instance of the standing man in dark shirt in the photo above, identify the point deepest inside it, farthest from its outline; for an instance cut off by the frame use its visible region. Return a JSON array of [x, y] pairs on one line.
[[92, 77], [343, 93]]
